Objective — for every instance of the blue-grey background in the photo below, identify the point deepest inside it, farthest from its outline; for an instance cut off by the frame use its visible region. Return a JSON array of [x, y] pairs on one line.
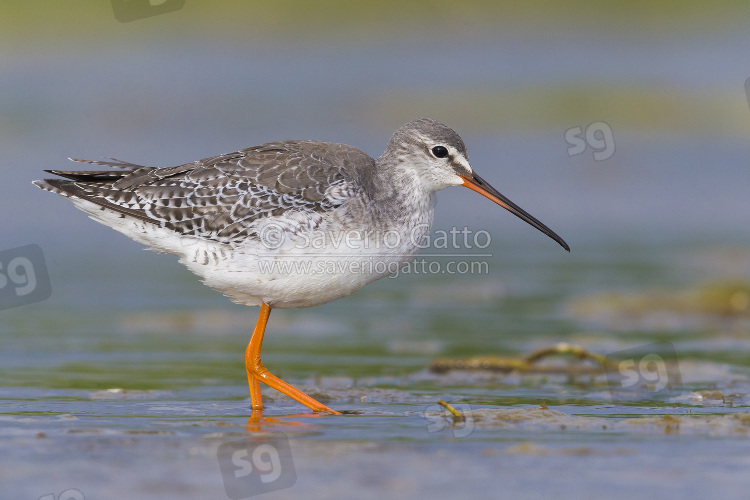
[[659, 233]]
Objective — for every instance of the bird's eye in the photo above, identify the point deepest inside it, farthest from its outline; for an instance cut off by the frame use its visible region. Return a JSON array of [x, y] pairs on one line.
[[440, 151]]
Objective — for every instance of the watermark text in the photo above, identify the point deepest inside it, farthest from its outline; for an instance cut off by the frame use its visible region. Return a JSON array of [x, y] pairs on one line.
[[23, 276], [132, 10], [69, 494], [439, 419], [274, 235], [370, 266], [649, 370], [254, 466], [598, 136]]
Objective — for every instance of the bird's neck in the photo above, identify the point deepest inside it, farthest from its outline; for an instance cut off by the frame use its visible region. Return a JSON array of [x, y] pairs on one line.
[[400, 199]]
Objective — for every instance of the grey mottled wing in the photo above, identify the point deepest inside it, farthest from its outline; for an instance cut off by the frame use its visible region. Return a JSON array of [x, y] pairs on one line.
[[220, 198]]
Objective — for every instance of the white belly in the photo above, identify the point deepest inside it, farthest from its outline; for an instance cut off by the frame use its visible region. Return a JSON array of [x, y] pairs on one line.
[[293, 277], [303, 272]]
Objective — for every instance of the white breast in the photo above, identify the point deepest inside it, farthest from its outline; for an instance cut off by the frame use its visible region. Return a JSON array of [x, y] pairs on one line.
[[308, 268]]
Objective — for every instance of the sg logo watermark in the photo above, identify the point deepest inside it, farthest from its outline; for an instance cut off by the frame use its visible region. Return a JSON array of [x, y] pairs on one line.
[[598, 136], [253, 466], [440, 418], [23, 277], [132, 10], [69, 494], [650, 369]]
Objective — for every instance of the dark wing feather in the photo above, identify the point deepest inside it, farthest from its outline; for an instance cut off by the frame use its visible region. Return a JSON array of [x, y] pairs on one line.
[[219, 198]]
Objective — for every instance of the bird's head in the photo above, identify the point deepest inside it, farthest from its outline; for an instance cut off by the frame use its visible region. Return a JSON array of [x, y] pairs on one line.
[[438, 156]]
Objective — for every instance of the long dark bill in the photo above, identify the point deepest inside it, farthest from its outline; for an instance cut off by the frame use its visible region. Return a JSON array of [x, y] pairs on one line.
[[476, 183]]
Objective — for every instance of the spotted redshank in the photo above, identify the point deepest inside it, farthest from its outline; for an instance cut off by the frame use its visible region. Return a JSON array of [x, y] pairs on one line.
[[239, 220]]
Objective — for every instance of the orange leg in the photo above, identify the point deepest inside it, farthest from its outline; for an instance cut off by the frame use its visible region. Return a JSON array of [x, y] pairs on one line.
[[257, 373]]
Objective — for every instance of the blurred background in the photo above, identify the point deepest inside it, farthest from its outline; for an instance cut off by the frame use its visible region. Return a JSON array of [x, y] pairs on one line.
[[623, 126]]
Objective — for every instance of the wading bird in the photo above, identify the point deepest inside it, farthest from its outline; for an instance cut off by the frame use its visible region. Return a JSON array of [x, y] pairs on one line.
[[238, 219]]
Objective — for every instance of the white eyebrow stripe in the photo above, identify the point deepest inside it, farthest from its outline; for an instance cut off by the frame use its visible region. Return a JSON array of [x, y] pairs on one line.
[[454, 153], [460, 159]]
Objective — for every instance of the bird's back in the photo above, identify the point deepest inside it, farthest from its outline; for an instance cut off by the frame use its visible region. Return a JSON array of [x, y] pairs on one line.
[[221, 198]]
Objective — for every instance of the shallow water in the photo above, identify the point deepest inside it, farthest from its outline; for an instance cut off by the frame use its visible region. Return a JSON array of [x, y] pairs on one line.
[[129, 379], [140, 394]]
